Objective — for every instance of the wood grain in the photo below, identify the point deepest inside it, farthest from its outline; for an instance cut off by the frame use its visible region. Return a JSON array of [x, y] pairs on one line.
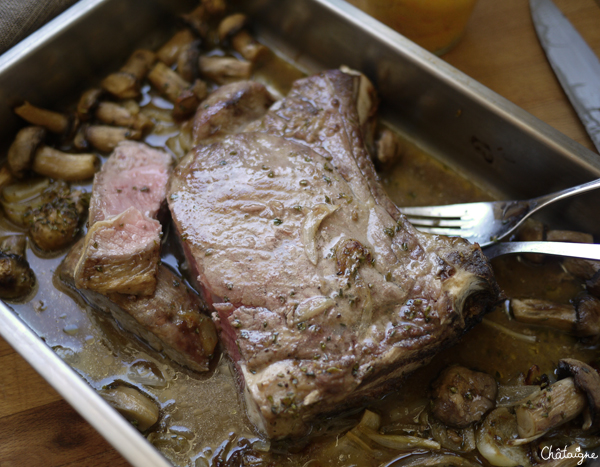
[[52, 435], [500, 49]]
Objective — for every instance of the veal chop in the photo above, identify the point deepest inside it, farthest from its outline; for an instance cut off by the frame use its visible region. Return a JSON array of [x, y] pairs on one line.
[[324, 293]]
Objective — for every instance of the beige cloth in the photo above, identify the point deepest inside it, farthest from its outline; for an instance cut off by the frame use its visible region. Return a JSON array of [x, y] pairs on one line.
[[19, 18]]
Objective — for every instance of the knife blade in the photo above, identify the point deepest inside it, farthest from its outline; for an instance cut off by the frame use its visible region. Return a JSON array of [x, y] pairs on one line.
[[575, 64]]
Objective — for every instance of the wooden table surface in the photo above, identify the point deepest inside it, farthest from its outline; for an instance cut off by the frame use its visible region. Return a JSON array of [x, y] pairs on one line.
[[500, 49]]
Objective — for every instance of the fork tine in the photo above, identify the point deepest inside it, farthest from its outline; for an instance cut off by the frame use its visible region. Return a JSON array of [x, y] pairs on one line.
[[455, 211], [439, 231], [436, 222]]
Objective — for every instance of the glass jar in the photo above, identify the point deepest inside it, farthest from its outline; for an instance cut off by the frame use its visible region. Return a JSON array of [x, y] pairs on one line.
[[436, 25]]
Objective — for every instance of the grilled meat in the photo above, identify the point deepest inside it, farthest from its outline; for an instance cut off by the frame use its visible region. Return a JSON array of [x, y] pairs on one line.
[[324, 294]]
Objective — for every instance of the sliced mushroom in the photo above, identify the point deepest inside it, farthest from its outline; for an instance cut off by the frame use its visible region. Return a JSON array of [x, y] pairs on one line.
[[125, 84], [552, 406], [136, 407], [461, 396], [170, 51], [224, 70], [53, 121], [587, 380], [105, 138], [88, 102], [22, 150], [115, 114], [59, 165], [16, 276]]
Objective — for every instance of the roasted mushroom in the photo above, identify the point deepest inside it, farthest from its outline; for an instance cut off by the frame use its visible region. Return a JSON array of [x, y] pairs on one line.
[[56, 224], [184, 95], [53, 121], [170, 51], [461, 396], [583, 269], [199, 17], [187, 61], [388, 148], [16, 277], [27, 152], [22, 150], [115, 114], [60, 165], [587, 380], [105, 138], [125, 84], [223, 70], [247, 46], [88, 102], [548, 408], [233, 29], [580, 318], [136, 407], [231, 25]]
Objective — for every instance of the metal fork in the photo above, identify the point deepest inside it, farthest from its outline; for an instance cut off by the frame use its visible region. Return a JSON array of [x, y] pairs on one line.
[[484, 223], [574, 250]]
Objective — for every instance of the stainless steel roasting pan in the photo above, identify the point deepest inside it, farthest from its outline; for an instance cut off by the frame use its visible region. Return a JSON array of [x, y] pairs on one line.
[[451, 116]]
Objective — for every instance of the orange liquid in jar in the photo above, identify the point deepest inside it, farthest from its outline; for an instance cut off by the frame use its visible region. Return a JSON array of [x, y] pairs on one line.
[[436, 25]]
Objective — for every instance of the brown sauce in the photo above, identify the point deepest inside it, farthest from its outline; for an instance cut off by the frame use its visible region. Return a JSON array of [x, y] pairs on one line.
[[199, 412]]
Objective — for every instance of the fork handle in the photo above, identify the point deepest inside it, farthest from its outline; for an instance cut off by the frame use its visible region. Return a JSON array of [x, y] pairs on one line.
[[575, 250], [541, 201]]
